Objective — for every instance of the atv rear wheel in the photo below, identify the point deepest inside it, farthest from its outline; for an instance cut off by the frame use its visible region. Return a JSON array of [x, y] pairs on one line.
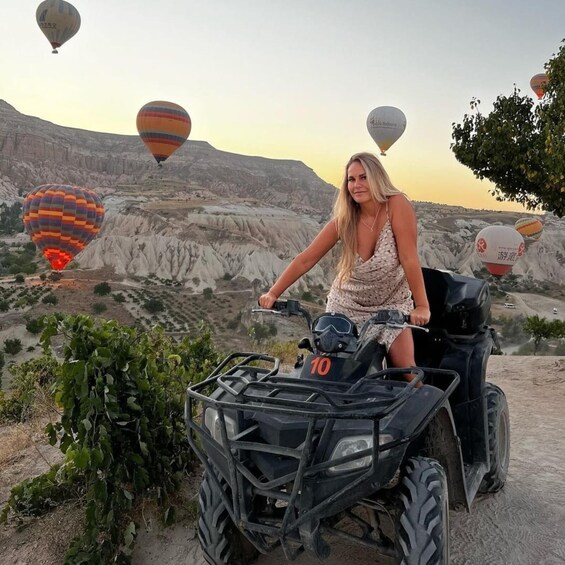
[[222, 543], [422, 536], [498, 439]]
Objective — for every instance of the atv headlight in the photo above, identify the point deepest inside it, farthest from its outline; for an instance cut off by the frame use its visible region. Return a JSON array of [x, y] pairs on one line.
[[213, 423], [354, 444]]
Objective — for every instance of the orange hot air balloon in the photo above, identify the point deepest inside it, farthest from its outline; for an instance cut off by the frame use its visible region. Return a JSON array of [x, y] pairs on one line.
[[58, 20], [163, 127], [529, 227], [499, 247], [538, 82], [61, 220]]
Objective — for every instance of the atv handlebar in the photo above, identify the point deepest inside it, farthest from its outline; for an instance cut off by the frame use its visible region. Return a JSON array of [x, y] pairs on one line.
[[392, 318], [287, 308]]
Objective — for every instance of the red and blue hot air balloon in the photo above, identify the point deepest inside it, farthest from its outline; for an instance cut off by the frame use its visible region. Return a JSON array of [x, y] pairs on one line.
[[62, 220], [163, 127]]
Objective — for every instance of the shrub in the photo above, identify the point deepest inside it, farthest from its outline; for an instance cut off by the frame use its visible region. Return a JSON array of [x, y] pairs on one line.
[[122, 427], [4, 305], [208, 293], [32, 381], [55, 276], [119, 298], [102, 289], [13, 346], [19, 278], [99, 307], [154, 305], [50, 299], [35, 325]]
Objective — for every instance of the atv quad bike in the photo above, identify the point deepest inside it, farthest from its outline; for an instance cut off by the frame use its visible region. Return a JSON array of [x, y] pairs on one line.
[[342, 446]]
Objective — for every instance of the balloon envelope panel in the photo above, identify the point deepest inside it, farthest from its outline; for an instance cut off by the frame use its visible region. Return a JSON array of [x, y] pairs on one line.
[[163, 127], [61, 220]]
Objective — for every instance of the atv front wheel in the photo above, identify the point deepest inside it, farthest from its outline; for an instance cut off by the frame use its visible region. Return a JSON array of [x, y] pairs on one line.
[[222, 543], [498, 439], [423, 521]]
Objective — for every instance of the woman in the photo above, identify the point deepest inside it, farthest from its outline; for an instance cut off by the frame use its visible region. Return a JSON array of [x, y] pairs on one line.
[[379, 265]]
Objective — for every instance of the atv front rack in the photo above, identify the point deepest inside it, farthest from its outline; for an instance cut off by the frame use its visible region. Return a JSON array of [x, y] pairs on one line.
[[253, 389]]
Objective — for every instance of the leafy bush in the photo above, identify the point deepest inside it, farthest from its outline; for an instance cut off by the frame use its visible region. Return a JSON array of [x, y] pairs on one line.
[[13, 346], [119, 298], [19, 278], [35, 325], [208, 293], [154, 305], [32, 381], [122, 428], [55, 276], [50, 299], [99, 307], [4, 305], [102, 289]]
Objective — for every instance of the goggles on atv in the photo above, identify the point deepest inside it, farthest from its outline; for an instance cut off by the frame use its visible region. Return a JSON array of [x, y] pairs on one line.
[[340, 324]]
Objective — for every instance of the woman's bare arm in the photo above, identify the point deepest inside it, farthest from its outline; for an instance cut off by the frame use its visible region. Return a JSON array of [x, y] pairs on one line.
[[302, 263], [404, 227]]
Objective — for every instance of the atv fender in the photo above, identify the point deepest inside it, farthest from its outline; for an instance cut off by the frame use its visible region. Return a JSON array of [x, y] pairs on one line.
[[440, 442]]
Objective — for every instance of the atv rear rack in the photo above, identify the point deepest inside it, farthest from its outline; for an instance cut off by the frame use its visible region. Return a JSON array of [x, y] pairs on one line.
[[258, 389]]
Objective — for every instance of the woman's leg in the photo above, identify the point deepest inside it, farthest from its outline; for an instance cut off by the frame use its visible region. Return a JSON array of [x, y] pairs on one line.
[[401, 352]]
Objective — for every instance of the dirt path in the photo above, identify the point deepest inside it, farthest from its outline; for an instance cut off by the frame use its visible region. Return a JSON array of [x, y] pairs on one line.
[[522, 525]]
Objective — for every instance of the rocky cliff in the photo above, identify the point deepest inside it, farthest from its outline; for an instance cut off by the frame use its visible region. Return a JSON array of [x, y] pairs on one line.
[[208, 214]]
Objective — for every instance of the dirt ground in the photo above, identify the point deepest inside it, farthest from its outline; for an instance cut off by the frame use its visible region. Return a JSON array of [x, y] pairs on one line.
[[521, 525]]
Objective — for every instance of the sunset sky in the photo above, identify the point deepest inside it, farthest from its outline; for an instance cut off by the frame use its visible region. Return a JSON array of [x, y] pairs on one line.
[[287, 78]]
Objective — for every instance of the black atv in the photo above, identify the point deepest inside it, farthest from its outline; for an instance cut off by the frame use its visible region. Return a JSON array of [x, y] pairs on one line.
[[344, 446]]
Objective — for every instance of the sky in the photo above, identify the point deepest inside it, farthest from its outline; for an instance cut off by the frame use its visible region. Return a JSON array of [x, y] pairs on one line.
[[290, 79]]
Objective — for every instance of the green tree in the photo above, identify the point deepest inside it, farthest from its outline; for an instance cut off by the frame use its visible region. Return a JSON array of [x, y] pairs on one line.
[[19, 278], [542, 328], [520, 145], [208, 293], [102, 289]]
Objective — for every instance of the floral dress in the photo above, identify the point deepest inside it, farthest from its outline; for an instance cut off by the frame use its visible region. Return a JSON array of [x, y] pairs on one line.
[[379, 282]]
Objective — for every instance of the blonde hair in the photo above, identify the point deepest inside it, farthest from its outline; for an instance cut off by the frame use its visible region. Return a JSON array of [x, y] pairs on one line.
[[346, 211]]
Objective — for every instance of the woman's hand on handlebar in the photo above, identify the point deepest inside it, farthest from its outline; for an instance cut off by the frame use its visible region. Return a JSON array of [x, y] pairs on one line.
[[267, 300], [420, 316]]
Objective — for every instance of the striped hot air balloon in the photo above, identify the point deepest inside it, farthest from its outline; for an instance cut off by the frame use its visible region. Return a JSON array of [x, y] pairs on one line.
[[58, 20], [529, 227], [163, 127], [61, 220], [537, 83]]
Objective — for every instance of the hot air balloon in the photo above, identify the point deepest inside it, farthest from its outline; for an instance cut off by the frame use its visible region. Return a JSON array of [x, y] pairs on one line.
[[61, 220], [499, 247], [386, 124], [538, 82], [529, 227], [163, 127], [58, 20]]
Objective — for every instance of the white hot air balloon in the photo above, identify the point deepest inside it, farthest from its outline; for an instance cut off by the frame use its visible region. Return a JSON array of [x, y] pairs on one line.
[[386, 124], [499, 247]]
